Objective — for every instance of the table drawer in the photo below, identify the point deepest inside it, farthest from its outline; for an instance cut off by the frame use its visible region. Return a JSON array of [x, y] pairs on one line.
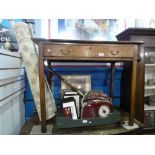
[[92, 51]]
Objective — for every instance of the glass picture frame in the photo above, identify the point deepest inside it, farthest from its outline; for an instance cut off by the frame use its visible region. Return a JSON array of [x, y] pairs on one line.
[[81, 82]]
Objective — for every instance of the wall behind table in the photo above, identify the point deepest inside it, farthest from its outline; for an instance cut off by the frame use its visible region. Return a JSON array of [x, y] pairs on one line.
[[100, 80]]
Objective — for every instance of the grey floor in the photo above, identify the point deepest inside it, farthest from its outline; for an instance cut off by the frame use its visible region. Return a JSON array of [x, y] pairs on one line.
[[33, 127], [36, 130]]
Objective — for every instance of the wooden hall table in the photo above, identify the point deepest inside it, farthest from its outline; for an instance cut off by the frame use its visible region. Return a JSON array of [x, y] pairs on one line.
[[88, 51]]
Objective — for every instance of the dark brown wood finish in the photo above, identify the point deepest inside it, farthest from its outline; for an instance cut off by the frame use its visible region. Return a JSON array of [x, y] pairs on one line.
[[92, 51], [133, 85], [112, 79], [126, 86], [42, 89], [139, 108], [126, 35], [49, 74], [82, 42], [88, 51], [148, 36]]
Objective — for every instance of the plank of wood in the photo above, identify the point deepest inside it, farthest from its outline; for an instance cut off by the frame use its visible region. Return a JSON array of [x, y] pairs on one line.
[[13, 54], [12, 114], [9, 73], [9, 89], [11, 80], [8, 99], [8, 61]]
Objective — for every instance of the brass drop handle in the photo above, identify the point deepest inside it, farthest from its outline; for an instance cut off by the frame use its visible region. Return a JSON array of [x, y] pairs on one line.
[[65, 51], [114, 52], [48, 50]]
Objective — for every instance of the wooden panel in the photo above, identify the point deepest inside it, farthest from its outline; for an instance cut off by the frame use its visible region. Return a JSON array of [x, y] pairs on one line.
[[13, 54], [147, 36], [12, 87], [11, 97], [11, 80], [9, 73], [10, 62], [12, 114], [148, 40], [92, 51], [9, 89]]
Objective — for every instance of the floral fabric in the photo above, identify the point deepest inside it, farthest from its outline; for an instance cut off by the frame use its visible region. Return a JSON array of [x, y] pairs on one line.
[[30, 59]]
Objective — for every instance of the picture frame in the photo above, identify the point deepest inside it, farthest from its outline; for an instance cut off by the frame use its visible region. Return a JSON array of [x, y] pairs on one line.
[[70, 103], [81, 82], [69, 93]]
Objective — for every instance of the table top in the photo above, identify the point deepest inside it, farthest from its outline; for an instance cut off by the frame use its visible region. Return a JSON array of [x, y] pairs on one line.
[[38, 40]]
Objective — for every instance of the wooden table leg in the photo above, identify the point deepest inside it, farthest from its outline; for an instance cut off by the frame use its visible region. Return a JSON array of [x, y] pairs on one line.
[[49, 74], [42, 89], [133, 89], [112, 79]]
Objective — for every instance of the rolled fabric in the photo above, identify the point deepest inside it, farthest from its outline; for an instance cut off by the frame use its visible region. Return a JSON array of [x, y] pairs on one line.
[[29, 55]]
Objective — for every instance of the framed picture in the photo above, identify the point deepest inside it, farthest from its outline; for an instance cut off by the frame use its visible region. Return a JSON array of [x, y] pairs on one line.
[[84, 29], [81, 82], [69, 93], [69, 103]]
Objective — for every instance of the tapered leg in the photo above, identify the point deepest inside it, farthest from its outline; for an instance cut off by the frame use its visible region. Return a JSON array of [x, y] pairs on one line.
[[112, 79], [49, 74], [133, 88], [42, 89]]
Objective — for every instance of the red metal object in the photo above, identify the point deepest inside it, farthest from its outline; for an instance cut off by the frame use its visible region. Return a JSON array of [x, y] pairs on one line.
[[92, 110]]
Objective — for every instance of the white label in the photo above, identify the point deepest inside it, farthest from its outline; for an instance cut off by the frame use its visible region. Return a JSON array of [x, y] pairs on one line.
[[101, 54], [84, 121]]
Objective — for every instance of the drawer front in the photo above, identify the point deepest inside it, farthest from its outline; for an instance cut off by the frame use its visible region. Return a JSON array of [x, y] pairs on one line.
[[92, 51]]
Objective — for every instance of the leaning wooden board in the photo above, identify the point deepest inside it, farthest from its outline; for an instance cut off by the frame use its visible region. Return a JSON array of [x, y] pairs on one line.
[[12, 87]]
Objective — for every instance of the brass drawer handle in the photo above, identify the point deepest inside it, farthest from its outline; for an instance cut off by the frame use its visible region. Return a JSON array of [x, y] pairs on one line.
[[65, 52], [48, 50], [114, 52]]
